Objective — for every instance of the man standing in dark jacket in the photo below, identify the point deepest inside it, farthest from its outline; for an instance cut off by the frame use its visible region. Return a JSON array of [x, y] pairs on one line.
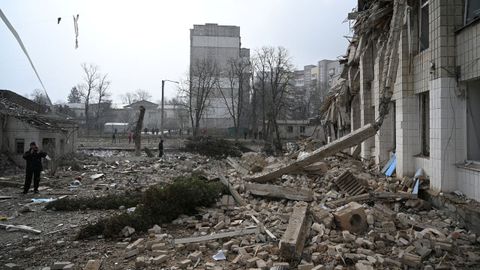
[[34, 167], [160, 148]]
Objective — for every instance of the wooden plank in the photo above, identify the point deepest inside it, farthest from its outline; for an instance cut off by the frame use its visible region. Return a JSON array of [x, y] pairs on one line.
[[20, 227], [234, 192], [371, 196], [347, 141], [275, 191], [205, 238]]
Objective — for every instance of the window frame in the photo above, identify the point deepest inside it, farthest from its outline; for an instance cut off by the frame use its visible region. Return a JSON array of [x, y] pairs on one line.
[[17, 150], [424, 109], [423, 5], [465, 19]]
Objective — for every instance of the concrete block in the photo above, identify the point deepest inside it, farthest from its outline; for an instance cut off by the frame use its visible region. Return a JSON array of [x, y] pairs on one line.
[[293, 240], [160, 259], [93, 265], [352, 218]]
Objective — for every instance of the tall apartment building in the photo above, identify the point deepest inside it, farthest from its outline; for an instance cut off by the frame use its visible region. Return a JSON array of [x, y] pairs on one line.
[[312, 84], [220, 44]]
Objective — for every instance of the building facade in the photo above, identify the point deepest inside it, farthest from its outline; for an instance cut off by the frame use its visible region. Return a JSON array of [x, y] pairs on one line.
[[434, 118]]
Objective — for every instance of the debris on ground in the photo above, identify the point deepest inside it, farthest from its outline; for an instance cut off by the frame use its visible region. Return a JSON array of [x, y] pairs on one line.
[[148, 213]]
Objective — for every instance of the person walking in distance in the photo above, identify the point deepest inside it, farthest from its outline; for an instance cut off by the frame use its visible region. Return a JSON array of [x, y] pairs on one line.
[[160, 148], [34, 167]]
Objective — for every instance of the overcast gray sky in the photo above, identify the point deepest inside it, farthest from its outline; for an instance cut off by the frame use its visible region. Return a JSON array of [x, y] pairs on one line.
[[139, 43]]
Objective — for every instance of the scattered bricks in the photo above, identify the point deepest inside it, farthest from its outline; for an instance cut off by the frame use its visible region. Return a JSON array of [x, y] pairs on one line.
[[351, 217], [60, 265], [348, 237], [410, 259], [280, 266], [127, 231], [423, 247], [204, 229], [237, 259], [69, 266], [140, 262], [12, 266], [156, 253], [160, 259], [155, 230], [159, 246], [317, 227], [220, 225], [93, 265], [130, 253], [252, 262], [322, 216], [363, 266], [262, 255], [195, 256], [319, 267], [370, 219], [388, 227], [213, 245], [149, 244], [228, 245], [293, 240], [261, 264], [306, 266], [185, 263], [136, 244], [122, 244]]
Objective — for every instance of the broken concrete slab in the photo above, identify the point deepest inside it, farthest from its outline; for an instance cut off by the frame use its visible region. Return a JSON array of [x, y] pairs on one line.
[[276, 191], [239, 232], [293, 240], [347, 141]]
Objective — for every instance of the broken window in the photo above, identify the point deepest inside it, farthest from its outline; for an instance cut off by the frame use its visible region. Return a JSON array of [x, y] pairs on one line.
[[472, 10], [424, 23], [290, 129], [19, 146], [302, 129], [424, 99], [473, 121]]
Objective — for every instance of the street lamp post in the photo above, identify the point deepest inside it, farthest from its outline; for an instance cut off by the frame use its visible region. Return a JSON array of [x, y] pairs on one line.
[[163, 103]]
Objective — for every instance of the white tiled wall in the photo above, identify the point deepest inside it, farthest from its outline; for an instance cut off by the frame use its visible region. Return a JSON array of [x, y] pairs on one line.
[[469, 183]]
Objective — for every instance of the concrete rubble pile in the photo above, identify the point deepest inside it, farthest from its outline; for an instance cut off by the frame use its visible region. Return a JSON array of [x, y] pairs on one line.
[[335, 213], [386, 229]]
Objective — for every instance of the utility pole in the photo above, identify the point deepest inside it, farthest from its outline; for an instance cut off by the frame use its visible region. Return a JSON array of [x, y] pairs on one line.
[[163, 103]]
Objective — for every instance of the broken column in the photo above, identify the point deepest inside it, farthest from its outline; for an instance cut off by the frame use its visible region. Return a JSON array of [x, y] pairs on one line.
[[352, 218], [293, 240]]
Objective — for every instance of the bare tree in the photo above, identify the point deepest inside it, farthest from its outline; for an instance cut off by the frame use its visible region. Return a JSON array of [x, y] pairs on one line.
[[236, 92], [74, 96], [128, 98], [90, 82], [204, 79], [102, 94], [141, 94], [274, 72], [39, 97]]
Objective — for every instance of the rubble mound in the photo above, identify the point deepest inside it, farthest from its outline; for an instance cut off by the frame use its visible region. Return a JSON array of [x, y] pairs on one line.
[[214, 147], [159, 204]]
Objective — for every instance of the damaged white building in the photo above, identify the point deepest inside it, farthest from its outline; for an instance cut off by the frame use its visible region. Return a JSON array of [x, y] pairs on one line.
[[23, 121], [432, 66]]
